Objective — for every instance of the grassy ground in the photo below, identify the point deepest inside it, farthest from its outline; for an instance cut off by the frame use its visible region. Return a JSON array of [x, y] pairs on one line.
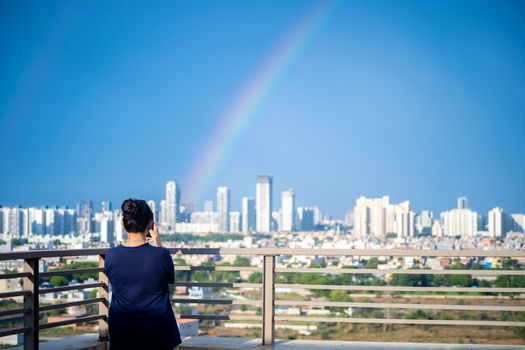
[[394, 333]]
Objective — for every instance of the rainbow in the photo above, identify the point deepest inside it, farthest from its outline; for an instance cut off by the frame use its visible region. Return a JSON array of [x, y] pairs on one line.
[[252, 96]]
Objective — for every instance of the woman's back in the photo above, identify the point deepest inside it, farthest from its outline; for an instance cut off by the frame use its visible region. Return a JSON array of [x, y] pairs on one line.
[[140, 315]]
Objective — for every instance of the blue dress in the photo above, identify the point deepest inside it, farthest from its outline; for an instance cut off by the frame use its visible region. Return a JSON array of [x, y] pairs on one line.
[[140, 315]]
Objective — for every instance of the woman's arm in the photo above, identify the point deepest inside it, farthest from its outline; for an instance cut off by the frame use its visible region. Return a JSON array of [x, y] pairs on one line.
[[155, 236]]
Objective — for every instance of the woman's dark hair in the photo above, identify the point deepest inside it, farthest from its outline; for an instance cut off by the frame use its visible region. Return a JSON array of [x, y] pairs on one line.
[[136, 215]]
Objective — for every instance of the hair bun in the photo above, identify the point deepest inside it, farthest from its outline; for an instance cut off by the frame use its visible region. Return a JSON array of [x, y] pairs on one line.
[[136, 215]]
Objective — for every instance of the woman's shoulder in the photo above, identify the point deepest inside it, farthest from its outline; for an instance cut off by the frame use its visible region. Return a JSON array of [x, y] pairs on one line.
[[158, 250]]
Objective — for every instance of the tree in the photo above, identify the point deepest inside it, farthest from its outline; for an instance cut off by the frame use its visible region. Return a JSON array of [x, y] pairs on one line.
[[242, 261], [59, 281], [255, 277], [410, 280], [339, 295], [510, 282]]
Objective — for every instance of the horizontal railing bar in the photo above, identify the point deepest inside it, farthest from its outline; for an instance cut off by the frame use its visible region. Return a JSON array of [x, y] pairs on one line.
[[402, 306], [35, 254], [402, 271], [221, 317], [6, 276], [11, 331], [71, 321], [218, 268], [70, 304], [401, 289], [72, 287], [14, 311], [401, 321], [351, 252], [217, 284], [217, 301], [70, 272], [18, 293]]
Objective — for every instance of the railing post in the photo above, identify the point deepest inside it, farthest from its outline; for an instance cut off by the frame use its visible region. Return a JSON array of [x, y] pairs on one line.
[[268, 300], [30, 285], [103, 306]]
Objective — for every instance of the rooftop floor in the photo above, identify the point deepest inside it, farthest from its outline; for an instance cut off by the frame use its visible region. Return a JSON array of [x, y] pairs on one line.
[[90, 342], [223, 343]]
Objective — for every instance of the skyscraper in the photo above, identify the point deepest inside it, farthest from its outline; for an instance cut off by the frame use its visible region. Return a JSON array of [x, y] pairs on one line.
[[460, 222], [424, 221], [496, 222], [305, 216], [85, 221], [172, 203], [223, 208], [264, 202], [151, 205], [163, 213], [377, 217], [248, 214], [463, 203], [288, 211], [208, 206], [105, 206], [235, 221]]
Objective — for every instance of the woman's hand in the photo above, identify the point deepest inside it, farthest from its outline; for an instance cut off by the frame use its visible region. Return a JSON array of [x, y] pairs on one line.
[[155, 236]]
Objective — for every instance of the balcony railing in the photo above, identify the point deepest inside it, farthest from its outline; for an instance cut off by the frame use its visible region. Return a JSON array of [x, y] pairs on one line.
[[31, 289]]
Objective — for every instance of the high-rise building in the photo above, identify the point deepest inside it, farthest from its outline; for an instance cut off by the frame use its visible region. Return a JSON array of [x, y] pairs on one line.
[[517, 222], [223, 208], [288, 211], [1, 221], [201, 222], [107, 227], [208, 206], [277, 221], [496, 222], [15, 223], [305, 216], [172, 203], [248, 214], [437, 230], [85, 220], [163, 213], [185, 211], [50, 221], [318, 216], [105, 206], [463, 203], [38, 221], [459, 222], [424, 221], [151, 205], [235, 222], [377, 217], [264, 203], [120, 233]]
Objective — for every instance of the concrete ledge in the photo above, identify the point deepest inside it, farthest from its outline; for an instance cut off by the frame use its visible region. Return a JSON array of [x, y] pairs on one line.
[[76, 342], [223, 343], [91, 342]]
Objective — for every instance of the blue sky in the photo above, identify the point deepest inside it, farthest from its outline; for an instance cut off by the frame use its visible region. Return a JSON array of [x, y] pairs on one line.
[[421, 100]]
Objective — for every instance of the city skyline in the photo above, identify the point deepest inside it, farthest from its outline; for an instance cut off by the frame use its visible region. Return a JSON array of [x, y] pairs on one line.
[[173, 192], [416, 100]]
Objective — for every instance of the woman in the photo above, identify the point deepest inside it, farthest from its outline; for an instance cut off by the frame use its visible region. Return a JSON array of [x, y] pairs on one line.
[[140, 315]]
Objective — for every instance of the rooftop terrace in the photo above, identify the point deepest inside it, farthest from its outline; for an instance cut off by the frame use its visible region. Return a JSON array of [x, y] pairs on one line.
[[268, 320]]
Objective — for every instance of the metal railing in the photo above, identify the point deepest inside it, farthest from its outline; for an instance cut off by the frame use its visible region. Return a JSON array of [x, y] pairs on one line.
[[31, 289]]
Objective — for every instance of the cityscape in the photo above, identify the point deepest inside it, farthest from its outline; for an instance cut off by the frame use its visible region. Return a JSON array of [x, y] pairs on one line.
[[370, 219], [264, 222], [322, 174]]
